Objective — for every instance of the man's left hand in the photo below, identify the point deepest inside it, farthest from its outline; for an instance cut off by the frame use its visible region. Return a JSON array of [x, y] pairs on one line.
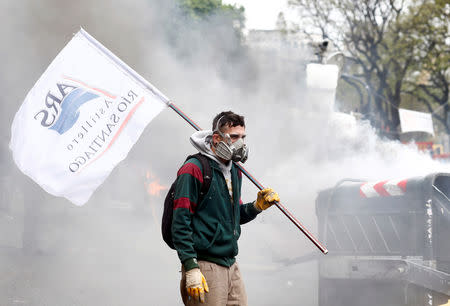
[[266, 198]]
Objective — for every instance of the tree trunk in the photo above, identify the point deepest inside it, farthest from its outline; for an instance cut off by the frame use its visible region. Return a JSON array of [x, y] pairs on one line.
[[395, 123]]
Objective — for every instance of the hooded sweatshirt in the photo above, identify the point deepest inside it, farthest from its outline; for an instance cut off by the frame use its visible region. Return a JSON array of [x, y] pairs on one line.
[[202, 140]]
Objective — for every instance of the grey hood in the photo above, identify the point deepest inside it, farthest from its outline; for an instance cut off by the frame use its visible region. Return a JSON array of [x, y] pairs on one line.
[[201, 140]]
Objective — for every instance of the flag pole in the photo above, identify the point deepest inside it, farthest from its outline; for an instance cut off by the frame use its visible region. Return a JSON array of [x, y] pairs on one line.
[[280, 206]]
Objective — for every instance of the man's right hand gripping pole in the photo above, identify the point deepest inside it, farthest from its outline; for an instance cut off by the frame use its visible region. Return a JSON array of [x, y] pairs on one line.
[[196, 285]]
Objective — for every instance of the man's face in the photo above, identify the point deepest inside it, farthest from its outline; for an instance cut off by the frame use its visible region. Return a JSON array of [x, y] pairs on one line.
[[235, 132]]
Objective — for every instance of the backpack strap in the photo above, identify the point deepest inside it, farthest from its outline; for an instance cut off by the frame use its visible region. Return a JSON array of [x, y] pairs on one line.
[[207, 174]]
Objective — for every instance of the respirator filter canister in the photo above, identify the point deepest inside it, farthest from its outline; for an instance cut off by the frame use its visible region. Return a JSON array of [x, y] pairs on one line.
[[237, 151]]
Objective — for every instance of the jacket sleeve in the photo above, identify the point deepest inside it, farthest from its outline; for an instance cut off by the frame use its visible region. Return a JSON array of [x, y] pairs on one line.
[[248, 212], [189, 180]]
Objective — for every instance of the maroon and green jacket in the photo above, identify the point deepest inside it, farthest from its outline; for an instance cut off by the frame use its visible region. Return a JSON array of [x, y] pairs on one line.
[[208, 230]]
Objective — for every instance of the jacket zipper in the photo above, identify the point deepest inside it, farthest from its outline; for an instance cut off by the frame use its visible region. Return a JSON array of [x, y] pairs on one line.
[[232, 204], [233, 213]]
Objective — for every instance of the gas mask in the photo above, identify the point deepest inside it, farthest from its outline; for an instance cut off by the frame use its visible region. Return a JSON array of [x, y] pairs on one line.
[[237, 151], [226, 149]]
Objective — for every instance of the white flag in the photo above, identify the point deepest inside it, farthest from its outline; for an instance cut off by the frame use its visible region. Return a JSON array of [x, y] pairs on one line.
[[81, 118], [412, 121]]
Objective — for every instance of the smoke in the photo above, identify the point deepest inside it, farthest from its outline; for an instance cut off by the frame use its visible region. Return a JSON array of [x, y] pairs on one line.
[[110, 251]]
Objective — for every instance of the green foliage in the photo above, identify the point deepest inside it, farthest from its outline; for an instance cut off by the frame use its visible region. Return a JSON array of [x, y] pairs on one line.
[[204, 9], [198, 9], [202, 32]]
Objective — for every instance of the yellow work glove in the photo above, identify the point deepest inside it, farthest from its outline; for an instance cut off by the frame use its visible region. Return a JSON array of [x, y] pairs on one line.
[[266, 198], [196, 285]]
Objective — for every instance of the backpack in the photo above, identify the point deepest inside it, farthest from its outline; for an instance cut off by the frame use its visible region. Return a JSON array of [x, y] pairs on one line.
[[167, 217]]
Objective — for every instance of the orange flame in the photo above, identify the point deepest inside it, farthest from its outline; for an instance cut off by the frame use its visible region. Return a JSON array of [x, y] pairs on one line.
[[153, 186]]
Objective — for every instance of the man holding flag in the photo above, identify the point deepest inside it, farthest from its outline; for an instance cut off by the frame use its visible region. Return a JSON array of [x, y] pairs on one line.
[[81, 119], [205, 232]]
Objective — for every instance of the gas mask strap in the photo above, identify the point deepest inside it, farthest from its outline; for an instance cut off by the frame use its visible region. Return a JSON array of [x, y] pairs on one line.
[[217, 127]]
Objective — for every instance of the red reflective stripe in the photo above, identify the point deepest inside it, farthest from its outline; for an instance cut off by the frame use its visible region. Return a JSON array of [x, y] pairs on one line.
[[402, 185], [184, 203], [381, 191], [192, 169], [361, 193]]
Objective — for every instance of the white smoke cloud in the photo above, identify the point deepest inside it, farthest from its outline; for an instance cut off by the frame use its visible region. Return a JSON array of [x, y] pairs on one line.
[[110, 252]]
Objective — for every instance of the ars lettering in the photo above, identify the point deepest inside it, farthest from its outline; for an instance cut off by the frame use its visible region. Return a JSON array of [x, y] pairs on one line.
[[52, 103]]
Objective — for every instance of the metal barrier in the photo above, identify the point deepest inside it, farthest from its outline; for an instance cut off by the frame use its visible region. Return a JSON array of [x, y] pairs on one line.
[[391, 235]]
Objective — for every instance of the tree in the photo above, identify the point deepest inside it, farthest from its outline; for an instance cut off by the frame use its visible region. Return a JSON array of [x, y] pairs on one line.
[[208, 15], [281, 24], [202, 31], [429, 79], [203, 9], [375, 36]]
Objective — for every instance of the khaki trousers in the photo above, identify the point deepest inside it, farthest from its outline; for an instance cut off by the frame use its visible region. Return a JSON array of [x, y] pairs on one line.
[[225, 286]]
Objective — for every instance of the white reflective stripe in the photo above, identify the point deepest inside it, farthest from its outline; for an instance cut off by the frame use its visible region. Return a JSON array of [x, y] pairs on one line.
[[368, 190], [393, 189]]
